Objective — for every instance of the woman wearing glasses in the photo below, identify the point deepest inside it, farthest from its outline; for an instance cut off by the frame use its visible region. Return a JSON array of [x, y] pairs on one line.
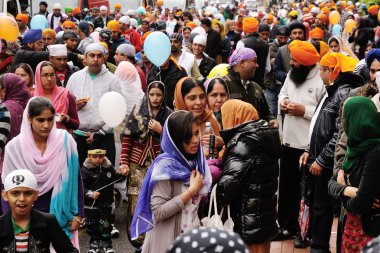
[[62, 100]]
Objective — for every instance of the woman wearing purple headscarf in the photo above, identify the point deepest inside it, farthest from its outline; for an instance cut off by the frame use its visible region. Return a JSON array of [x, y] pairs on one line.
[[14, 95]]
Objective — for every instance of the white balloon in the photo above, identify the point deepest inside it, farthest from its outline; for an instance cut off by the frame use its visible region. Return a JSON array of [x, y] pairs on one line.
[[112, 108]]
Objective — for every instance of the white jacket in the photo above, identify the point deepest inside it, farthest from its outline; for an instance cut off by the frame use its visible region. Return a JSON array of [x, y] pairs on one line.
[[308, 94], [81, 85]]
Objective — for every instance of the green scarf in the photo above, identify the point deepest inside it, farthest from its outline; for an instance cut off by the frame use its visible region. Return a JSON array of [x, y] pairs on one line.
[[361, 122]]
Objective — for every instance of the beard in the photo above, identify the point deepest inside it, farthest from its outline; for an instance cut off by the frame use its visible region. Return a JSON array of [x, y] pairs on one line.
[[299, 75]]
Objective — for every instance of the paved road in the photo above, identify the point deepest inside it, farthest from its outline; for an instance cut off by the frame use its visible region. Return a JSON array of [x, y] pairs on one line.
[[121, 244]]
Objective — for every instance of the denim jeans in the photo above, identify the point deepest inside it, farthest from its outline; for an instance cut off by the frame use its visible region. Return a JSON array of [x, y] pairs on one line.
[[271, 96]]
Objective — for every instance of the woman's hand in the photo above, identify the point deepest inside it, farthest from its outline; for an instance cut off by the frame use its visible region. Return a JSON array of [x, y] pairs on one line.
[[75, 223], [340, 178], [64, 118], [196, 182], [154, 125]]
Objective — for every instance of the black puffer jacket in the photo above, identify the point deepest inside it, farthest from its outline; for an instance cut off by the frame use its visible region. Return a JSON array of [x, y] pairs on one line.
[[249, 179], [326, 128]]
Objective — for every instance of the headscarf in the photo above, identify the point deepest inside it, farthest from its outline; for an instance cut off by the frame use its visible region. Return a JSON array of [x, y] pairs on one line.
[[170, 165], [15, 99], [130, 84], [339, 62], [337, 38], [138, 120], [316, 33], [361, 123], [22, 17], [236, 112], [206, 116], [250, 25], [201, 240], [59, 97], [372, 55], [242, 54], [303, 52], [57, 169]]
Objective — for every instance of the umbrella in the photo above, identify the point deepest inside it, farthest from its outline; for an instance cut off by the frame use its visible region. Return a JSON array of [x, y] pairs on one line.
[[306, 198]]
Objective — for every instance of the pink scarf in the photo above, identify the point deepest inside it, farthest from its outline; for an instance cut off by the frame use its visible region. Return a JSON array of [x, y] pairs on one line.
[[59, 96]]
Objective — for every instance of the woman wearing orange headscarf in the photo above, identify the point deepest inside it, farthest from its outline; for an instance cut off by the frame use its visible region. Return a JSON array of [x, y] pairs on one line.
[[250, 171], [190, 95]]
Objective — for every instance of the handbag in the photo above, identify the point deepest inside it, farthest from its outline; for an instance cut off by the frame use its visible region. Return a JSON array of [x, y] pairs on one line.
[[215, 221]]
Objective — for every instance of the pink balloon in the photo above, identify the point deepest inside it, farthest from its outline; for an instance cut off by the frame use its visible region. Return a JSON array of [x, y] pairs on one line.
[[199, 30], [95, 36]]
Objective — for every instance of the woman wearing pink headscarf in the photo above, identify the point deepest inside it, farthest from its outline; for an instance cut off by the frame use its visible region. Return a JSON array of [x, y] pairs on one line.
[[61, 98]]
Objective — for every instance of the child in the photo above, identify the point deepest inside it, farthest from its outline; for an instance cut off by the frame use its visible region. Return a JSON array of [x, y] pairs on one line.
[[98, 177], [23, 229]]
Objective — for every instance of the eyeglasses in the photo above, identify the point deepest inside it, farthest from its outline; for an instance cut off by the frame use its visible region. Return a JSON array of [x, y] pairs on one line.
[[48, 75]]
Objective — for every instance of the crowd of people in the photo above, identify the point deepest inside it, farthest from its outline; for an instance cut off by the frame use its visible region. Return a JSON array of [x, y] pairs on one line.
[[278, 109]]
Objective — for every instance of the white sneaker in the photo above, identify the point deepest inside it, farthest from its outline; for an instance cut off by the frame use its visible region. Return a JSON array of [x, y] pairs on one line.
[[114, 232]]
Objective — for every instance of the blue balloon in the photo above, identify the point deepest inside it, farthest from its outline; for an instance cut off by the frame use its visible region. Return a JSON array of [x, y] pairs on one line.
[[157, 48], [336, 30], [39, 22]]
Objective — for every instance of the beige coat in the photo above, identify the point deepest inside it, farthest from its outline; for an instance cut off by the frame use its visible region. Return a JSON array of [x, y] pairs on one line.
[[167, 206]]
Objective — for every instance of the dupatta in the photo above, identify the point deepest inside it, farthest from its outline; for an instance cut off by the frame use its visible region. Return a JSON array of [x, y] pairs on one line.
[[57, 169]]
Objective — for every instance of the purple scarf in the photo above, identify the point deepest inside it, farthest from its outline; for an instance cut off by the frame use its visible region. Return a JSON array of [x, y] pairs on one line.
[[16, 98], [170, 165]]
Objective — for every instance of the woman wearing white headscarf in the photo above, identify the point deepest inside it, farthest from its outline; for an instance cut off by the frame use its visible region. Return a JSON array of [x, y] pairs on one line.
[[130, 84], [131, 90]]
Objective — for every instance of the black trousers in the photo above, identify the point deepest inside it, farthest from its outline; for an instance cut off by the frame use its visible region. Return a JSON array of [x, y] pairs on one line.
[[108, 141], [289, 189], [98, 224], [322, 214]]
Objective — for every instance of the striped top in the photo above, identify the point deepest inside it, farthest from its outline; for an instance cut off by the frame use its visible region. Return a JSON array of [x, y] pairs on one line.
[[21, 240], [21, 237]]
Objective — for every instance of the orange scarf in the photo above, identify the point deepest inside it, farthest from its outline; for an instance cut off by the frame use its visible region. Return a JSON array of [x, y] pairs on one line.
[[236, 112]]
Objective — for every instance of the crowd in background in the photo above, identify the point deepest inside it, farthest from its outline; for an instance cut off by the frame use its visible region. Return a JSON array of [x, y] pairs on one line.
[[276, 108]]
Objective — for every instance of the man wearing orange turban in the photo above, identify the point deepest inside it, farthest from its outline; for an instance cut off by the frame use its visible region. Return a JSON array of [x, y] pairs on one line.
[[316, 34], [303, 52], [324, 132], [68, 25], [250, 25], [298, 99], [261, 47], [22, 20], [373, 10], [321, 22]]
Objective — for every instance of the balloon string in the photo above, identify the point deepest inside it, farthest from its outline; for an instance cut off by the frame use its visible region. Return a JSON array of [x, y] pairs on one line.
[[159, 73]]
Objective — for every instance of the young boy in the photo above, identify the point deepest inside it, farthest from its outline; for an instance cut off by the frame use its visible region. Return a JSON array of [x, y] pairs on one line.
[[23, 229], [98, 177]]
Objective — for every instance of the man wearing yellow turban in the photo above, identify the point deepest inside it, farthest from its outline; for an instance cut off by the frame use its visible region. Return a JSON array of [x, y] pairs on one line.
[[261, 47], [336, 74], [302, 90]]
